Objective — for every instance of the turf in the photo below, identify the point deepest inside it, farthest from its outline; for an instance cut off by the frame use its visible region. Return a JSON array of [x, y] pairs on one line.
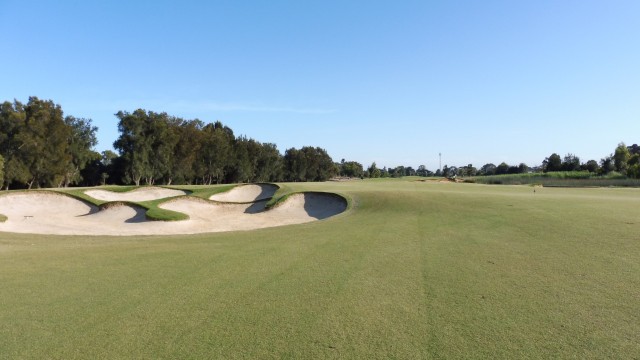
[[412, 270], [153, 211]]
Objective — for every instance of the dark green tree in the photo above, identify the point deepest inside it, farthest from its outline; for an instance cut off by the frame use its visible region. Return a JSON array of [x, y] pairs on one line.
[[552, 163], [591, 166], [1, 171], [620, 158], [269, 164], [502, 169], [488, 169], [216, 153], [352, 169], [45, 143], [570, 163], [82, 139], [606, 165], [373, 170], [134, 145], [523, 168], [422, 171]]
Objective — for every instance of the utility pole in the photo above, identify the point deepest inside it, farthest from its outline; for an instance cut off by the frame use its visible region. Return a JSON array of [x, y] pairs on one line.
[[440, 155]]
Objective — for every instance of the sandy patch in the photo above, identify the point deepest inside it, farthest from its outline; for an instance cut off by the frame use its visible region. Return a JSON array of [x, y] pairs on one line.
[[246, 193], [48, 213], [137, 195]]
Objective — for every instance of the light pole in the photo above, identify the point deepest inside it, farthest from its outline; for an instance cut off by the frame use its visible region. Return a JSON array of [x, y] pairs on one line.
[[440, 163]]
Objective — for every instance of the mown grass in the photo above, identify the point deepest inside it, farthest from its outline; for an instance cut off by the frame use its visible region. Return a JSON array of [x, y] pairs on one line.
[[412, 270], [204, 191]]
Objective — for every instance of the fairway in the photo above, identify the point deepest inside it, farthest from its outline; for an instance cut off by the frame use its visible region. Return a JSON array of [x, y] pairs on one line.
[[411, 270]]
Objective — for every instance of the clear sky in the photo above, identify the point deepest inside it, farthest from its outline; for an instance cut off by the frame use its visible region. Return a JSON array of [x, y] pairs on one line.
[[395, 82]]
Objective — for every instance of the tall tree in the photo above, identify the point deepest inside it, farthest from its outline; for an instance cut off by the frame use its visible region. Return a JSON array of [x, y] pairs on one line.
[[45, 140], [269, 164], [1, 171], [552, 163], [351, 169], [373, 170], [488, 169], [308, 164], [216, 154], [134, 145], [189, 145], [82, 139], [12, 124], [606, 164], [502, 169], [244, 160], [620, 158], [591, 166], [570, 163]]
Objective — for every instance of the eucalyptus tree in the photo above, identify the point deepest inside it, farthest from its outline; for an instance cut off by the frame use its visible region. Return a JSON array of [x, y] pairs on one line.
[[12, 122], [308, 164], [134, 145], [591, 166], [295, 165], [621, 157], [552, 163], [373, 171], [243, 165], [570, 163], [163, 137], [45, 141], [81, 141], [184, 166], [1, 170], [351, 169], [215, 155], [269, 163]]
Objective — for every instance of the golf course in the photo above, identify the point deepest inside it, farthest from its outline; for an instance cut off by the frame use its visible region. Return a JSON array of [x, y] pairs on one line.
[[398, 269]]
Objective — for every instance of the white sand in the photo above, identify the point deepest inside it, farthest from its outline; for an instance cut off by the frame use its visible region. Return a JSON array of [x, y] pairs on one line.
[[141, 194], [246, 193], [48, 213]]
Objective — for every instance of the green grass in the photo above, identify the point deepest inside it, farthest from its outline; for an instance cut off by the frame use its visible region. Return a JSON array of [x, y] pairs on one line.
[[558, 179], [204, 191], [153, 211], [412, 270]]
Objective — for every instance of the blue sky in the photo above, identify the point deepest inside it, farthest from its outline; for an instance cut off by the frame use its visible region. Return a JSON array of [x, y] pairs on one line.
[[394, 82]]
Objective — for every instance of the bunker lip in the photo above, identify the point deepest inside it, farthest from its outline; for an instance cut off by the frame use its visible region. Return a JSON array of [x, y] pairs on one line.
[[54, 213], [247, 193], [136, 195]]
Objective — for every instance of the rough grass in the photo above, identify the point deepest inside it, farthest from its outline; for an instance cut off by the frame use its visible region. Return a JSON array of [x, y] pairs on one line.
[[560, 179], [412, 270]]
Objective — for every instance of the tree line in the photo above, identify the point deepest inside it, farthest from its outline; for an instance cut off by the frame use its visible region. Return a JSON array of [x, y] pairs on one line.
[[623, 162], [40, 147]]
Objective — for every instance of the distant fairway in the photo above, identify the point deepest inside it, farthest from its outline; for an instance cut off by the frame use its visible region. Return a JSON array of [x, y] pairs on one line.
[[412, 270]]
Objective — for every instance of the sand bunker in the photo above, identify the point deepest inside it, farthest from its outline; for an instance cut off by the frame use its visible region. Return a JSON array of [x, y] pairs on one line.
[[246, 193], [137, 195], [49, 213]]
